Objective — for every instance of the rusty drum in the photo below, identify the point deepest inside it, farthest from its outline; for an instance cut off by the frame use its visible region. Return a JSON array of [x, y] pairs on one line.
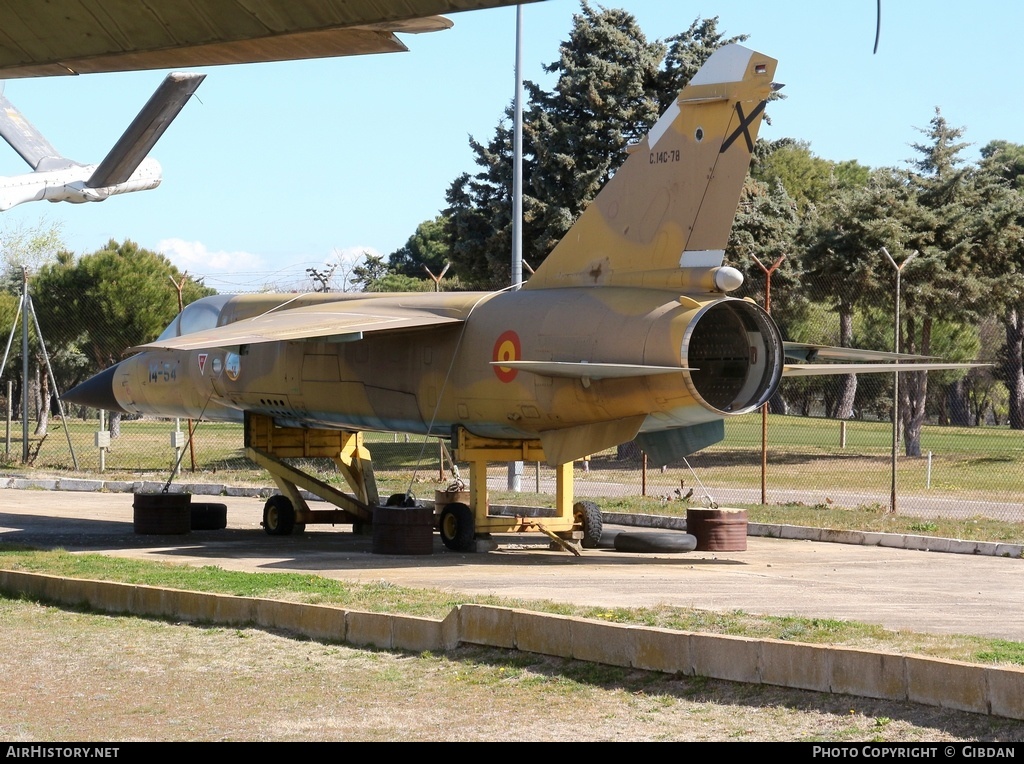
[[718, 530]]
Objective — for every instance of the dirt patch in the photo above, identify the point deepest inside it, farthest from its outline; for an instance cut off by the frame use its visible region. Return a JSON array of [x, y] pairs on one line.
[[78, 676]]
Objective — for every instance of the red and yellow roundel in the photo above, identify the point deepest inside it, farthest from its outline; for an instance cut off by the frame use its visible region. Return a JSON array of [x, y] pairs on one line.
[[507, 348]]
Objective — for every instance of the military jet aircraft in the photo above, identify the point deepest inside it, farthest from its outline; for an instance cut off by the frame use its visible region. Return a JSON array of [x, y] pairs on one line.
[[125, 168], [625, 331]]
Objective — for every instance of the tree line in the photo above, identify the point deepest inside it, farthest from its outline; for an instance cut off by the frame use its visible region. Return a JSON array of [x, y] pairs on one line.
[[963, 292], [90, 309]]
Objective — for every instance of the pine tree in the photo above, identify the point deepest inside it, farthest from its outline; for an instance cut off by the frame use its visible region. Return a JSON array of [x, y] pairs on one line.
[[108, 301], [940, 283], [609, 91], [999, 256], [605, 98]]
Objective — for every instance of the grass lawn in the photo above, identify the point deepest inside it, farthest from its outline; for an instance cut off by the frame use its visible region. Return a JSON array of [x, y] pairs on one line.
[[384, 597]]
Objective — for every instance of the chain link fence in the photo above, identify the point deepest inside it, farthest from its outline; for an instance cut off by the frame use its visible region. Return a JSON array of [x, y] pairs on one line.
[[965, 472]]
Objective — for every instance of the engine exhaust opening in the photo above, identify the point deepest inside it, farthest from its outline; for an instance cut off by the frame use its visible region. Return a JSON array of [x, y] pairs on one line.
[[737, 352]]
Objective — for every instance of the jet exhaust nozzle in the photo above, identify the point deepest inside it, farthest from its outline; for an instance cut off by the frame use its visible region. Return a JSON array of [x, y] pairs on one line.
[[737, 354]]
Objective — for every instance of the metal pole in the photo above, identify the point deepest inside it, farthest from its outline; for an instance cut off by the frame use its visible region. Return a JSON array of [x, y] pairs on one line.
[[437, 279], [643, 475], [515, 469], [895, 394], [896, 376], [10, 337], [176, 469], [764, 408], [517, 159], [24, 365], [53, 381], [180, 285], [103, 450]]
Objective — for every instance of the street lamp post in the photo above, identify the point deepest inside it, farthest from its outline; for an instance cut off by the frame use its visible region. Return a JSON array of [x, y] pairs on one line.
[[764, 407], [896, 377]]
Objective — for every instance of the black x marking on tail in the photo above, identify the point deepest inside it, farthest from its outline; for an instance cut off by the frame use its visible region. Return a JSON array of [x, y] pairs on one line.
[[742, 129]]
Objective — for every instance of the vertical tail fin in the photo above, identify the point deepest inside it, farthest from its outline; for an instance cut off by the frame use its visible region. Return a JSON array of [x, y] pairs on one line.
[[24, 138], [671, 205]]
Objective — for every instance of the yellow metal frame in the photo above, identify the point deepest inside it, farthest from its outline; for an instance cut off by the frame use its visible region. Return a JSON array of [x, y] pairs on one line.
[[479, 451], [267, 444]]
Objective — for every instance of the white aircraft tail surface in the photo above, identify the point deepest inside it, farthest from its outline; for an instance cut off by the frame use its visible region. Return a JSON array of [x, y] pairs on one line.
[[126, 167], [671, 205]]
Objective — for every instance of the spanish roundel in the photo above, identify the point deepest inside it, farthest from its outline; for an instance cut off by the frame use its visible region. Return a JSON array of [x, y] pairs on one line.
[[507, 348]]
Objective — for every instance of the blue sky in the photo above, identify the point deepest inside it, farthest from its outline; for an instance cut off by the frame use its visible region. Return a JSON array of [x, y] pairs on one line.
[[280, 167]]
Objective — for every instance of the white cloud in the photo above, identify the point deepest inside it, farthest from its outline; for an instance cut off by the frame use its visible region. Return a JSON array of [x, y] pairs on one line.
[[195, 257]]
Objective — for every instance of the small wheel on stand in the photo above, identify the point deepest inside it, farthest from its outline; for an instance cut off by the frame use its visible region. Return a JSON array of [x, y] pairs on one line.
[[588, 514], [279, 516], [457, 528]]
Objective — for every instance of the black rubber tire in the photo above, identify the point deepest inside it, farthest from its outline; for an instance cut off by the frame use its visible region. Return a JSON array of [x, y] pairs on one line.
[[457, 528], [672, 542], [399, 500], [209, 516], [279, 516], [588, 514]]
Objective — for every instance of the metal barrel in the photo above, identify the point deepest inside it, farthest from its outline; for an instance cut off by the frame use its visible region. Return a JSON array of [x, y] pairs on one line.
[[718, 530], [162, 513], [403, 530]]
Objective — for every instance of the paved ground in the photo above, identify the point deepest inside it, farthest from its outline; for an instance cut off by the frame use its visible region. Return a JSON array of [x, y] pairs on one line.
[[922, 591]]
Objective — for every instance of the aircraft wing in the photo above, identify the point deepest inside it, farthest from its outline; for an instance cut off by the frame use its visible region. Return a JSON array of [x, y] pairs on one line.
[[60, 37], [574, 370], [331, 322], [802, 351], [824, 369], [146, 129]]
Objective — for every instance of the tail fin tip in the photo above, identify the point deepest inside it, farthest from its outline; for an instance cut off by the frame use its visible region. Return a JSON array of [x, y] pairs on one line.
[[667, 207]]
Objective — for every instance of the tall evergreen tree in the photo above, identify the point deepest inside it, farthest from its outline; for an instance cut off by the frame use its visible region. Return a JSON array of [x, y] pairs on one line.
[[841, 235], [608, 93], [604, 99], [999, 257], [940, 283]]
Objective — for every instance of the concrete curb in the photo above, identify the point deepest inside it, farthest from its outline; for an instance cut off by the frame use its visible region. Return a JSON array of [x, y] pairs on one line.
[[833, 536], [992, 690], [663, 522], [892, 540], [152, 486]]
